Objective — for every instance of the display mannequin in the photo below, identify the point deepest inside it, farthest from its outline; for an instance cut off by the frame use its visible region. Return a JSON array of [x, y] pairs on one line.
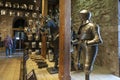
[[88, 40], [53, 70]]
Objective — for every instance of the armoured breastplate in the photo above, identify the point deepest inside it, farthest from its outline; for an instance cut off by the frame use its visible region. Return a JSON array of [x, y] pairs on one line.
[[33, 44], [27, 44], [37, 37], [37, 51], [33, 30], [30, 37], [86, 33], [40, 44]]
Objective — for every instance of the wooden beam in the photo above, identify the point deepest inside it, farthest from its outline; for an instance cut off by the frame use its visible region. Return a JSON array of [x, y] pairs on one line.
[[65, 39], [18, 29], [44, 13], [44, 7]]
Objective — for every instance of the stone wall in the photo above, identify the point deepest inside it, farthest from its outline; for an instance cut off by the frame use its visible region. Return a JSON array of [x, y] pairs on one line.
[[119, 27], [104, 13], [6, 25]]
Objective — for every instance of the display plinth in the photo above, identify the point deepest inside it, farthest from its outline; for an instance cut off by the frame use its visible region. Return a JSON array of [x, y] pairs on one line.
[[52, 70]]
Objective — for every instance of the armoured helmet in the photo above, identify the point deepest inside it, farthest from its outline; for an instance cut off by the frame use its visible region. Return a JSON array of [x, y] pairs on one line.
[[85, 14]]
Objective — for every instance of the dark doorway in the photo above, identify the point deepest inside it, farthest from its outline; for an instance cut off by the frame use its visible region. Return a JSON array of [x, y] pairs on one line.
[[18, 32], [19, 23], [19, 36]]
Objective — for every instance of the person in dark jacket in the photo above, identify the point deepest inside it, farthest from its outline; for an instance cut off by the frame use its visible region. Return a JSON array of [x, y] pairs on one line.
[[8, 42], [14, 45]]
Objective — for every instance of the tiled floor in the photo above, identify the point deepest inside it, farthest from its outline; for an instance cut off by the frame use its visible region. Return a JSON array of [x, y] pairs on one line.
[[16, 54]]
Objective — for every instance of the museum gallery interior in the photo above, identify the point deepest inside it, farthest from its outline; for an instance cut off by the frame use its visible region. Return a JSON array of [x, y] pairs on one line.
[[59, 40]]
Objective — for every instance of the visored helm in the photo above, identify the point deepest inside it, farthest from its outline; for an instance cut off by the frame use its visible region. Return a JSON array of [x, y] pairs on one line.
[[85, 14]]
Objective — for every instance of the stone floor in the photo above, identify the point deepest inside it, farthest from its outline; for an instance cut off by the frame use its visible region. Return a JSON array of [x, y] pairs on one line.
[[16, 54], [95, 75]]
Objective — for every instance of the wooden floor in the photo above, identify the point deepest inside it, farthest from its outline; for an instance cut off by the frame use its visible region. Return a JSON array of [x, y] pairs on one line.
[[10, 70], [10, 66], [97, 74], [42, 74]]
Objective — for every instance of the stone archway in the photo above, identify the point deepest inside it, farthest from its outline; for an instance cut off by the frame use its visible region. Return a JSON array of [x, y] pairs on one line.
[[19, 22]]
